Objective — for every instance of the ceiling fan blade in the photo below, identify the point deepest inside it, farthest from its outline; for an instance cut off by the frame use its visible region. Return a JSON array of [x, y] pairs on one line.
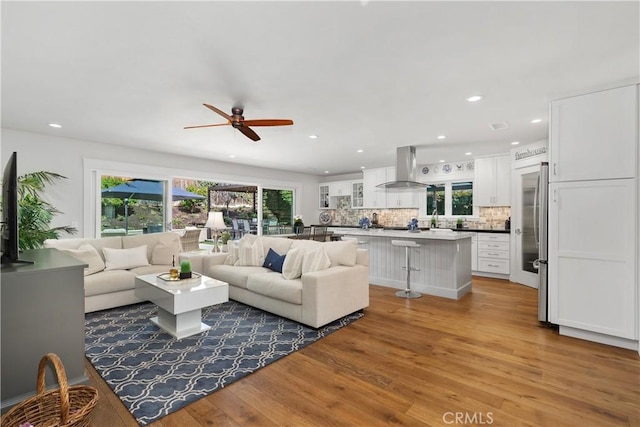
[[268, 122], [207, 126], [249, 133], [222, 113]]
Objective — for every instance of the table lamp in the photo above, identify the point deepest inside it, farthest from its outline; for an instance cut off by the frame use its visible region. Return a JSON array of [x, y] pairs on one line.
[[215, 222]]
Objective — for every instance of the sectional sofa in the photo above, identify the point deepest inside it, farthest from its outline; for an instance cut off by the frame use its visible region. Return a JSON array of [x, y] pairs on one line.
[[114, 262], [311, 282]]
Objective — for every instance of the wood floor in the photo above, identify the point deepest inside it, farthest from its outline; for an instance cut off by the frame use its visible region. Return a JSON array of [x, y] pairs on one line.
[[482, 360]]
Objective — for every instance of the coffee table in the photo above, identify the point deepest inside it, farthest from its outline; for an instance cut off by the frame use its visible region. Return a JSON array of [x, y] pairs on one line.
[[180, 303]]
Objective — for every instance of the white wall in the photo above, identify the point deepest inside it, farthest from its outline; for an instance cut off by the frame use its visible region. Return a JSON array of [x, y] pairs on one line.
[[38, 152]]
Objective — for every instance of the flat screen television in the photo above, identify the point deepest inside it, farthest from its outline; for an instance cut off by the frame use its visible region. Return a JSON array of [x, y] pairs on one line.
[[10, 232]]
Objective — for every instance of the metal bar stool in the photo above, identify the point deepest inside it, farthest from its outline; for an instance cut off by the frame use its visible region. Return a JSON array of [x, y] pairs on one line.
[[407, 245]]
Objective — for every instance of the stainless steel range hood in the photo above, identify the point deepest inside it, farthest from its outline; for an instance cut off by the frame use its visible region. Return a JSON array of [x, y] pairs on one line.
[[406, 170]]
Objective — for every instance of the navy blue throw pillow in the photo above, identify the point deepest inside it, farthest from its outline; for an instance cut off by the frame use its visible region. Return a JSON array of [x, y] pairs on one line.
[[273, 261]]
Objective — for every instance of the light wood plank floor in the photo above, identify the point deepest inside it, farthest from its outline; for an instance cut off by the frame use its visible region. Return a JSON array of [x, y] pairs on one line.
[[483, 360]]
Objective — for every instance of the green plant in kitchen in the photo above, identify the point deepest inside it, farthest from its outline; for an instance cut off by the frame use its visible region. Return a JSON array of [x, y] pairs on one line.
[[185, 269], [34, 213], [459, 222]]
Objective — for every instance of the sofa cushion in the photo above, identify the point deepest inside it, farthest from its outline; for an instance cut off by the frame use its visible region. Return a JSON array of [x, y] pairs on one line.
[[164, 252], [273, 261], [315, 260], [123, 259], [292, 266], [342, 253], [278, 244], [109, 281], [151, 240], [89, 255], [75, 243], [273, 285], [250, 254], [235, 275]]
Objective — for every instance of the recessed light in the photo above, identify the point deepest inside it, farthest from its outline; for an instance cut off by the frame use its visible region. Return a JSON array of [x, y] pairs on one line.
[[360, 151], [468, 153], [361, 167], [326, 171], [441, 161], [515, 143], [55, 125], [536, 120], [313, 136], [475, 98], [441, 137], [232, 155]]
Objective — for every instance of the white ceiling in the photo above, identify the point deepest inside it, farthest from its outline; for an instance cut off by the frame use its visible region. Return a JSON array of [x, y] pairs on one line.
[[362, 75]]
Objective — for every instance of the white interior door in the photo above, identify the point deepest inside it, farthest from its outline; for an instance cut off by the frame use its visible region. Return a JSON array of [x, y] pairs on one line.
[[522, 224]]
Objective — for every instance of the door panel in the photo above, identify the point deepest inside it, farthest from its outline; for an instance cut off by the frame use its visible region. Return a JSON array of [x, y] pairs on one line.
[[522, 224]]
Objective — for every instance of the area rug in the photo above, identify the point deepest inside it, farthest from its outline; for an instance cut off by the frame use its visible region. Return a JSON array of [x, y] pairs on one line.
[[155, 374]]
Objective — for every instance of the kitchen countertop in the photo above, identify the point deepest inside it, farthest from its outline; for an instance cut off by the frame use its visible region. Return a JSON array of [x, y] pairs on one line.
[[442, 234], [474, 230]]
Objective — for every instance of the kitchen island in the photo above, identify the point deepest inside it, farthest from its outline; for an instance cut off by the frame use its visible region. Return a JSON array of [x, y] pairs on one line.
[[444, 259]]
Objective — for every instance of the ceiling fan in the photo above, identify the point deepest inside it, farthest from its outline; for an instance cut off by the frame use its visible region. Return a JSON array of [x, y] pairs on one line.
[[236, 119]]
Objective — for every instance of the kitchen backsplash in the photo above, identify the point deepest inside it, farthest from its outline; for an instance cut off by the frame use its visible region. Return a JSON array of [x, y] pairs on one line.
[[490, 217]]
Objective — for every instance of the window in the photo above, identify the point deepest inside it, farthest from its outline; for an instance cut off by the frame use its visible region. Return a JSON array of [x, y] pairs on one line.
[[450, 199]]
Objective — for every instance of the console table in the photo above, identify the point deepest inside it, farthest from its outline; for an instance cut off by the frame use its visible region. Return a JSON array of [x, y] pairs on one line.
[[42, 312]]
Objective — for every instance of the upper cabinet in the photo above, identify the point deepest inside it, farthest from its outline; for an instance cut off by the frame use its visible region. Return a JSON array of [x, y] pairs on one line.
[[374, 197], [583, 131], [357, 194], [339, 188], [323, 191], [492, 181], [400, 198]]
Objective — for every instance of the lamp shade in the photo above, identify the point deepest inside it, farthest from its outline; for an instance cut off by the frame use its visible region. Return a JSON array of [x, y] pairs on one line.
[[215, 221]]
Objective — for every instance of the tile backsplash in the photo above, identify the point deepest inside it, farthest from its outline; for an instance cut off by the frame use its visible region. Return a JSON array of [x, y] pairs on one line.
[[490, 217]]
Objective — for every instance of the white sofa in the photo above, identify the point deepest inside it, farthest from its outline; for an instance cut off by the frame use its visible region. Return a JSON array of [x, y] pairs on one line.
[[333, 280], [115, 262]]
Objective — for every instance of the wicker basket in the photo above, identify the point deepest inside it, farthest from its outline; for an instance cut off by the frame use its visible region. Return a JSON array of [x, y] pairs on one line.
[[66, 406]]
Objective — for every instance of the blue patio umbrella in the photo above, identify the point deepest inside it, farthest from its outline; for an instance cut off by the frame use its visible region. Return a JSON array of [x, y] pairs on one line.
[[144, 190]]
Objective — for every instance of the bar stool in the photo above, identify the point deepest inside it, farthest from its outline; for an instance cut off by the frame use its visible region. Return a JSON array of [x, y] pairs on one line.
[[407, 245]]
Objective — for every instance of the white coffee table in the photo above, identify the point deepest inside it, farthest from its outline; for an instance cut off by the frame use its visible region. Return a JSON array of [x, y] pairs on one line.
[[180, 303]]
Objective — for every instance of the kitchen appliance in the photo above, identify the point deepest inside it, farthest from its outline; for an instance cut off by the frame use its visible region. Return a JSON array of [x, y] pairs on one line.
[[406, 170], [374, 219], [541, 235]]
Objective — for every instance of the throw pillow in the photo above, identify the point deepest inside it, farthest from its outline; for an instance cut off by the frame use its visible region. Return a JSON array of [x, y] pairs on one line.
[[234, 249], [315, 260], [89, 255], [124, 259], [292, 265], [163, 253], [250, 254], [274, 261]]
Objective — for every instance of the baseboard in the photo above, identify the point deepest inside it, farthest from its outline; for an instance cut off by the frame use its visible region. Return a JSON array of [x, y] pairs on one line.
[[599, 338]]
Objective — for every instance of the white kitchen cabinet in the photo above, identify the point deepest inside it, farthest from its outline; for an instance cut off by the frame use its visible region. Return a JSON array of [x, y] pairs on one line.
[[323, 194], [400, 198], [357, 194], [493, 254], [339, 188], [492, 181], [593, 256], [594, 136], [374, 197]]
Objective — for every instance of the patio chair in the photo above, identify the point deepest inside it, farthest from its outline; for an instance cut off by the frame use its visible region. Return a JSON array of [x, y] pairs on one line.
[[237, 232], [190, 239], [246, 226]]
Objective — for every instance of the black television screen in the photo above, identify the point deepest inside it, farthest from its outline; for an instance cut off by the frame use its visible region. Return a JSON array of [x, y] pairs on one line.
[[10, 232]]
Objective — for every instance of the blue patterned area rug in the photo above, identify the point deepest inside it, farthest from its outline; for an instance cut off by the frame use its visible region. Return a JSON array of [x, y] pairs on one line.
[[155, 374]]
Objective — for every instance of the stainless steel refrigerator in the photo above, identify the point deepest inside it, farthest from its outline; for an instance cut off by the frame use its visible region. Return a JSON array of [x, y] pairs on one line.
[[541, 233]]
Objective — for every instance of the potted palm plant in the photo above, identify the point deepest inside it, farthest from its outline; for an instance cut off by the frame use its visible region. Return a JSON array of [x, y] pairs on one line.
[[34, 213]]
